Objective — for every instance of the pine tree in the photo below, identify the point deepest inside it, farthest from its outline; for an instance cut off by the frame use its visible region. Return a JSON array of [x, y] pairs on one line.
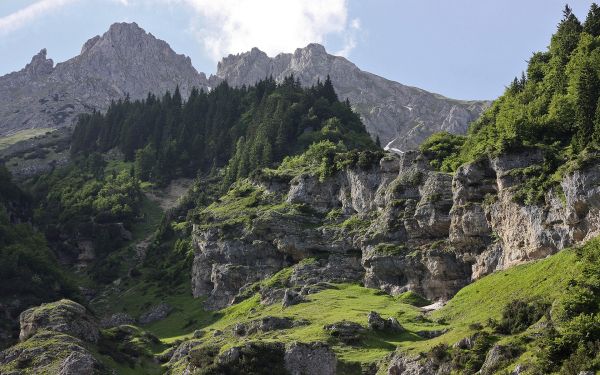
[[328, 92], [592, 22], [587, 89], [596, 136], [566, 37]]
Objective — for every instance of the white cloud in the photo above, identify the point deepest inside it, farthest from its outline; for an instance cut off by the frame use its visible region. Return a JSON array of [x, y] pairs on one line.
[[274, 26], [23, 16], [350, 38]]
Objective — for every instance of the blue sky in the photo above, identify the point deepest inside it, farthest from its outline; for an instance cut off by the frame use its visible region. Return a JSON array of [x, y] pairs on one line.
[[465, 49]]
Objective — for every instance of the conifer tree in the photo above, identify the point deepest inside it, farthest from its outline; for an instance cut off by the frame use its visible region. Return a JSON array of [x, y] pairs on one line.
[[592, 22], [587, 86]]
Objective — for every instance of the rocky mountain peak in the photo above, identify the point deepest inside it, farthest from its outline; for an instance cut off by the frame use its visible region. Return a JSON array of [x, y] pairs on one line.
[[125, 60], [125, 28], [401, 116], [89, 44], [40, 65], [314, 49]]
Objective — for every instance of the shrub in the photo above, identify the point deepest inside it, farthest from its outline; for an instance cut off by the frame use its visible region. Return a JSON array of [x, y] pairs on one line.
[[518, 315]]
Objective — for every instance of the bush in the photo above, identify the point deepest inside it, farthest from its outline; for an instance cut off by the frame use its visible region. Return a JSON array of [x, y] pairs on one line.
[[518, 315], [441, 148]]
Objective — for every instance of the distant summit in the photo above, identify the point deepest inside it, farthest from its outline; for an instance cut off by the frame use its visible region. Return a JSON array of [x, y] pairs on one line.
[[401, 116], [128, 60], [124, 60]]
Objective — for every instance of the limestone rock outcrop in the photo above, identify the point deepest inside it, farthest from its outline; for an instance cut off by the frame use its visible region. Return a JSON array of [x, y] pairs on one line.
[[396, 225], [312, 358], [55, 339]]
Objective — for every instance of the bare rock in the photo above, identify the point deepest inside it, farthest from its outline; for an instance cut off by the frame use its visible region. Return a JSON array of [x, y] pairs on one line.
[[497, 356], [116, 320], [313, 358], [291, 298], [78, 363], [155, 313], [402, 364], [375, 321], [124, 60], [51, 352], [345, 331]]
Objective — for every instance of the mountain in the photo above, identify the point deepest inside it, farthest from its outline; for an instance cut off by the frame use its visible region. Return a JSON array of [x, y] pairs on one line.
[[124, 60], [127, 60], [401, 116], [476, 254]]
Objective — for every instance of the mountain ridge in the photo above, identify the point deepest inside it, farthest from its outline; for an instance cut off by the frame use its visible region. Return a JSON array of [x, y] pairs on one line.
[[401, 116], [45, 95], [128, 60]]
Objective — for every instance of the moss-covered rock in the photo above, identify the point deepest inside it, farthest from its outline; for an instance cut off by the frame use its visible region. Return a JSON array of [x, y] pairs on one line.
[[63, 316]]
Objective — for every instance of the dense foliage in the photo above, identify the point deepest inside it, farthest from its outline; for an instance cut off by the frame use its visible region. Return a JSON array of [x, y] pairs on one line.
[[571, 342], [241, 128], [553, 106], [86, 202], [29, 269]]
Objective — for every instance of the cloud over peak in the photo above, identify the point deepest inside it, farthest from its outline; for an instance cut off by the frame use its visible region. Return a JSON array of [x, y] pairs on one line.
[[233, 26]]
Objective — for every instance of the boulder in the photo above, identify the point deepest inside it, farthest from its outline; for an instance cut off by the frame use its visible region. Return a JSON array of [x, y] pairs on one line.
[[62, 316], [312, 358], [464, 343], [290, 298], [78, 363], [51, 352], [265, 324], [345, 331], [116, 320], [497, 356], [431, 334], [403, 364], [375, 321], [155, 313]]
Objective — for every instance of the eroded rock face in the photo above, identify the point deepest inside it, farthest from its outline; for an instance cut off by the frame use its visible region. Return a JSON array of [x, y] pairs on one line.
[[63, 316], [402, 364], [398, 226]]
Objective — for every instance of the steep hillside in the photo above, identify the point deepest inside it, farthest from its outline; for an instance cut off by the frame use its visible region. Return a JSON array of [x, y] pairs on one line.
[[499, 323]]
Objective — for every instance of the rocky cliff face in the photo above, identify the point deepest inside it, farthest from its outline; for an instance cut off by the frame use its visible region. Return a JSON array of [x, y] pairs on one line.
[[396, 225], [402, 116], [124, 60]]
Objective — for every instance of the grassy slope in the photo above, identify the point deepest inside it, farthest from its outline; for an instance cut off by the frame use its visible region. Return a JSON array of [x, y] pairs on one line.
[[485, 298], [343, 302], [476, 303], [21, 136]]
